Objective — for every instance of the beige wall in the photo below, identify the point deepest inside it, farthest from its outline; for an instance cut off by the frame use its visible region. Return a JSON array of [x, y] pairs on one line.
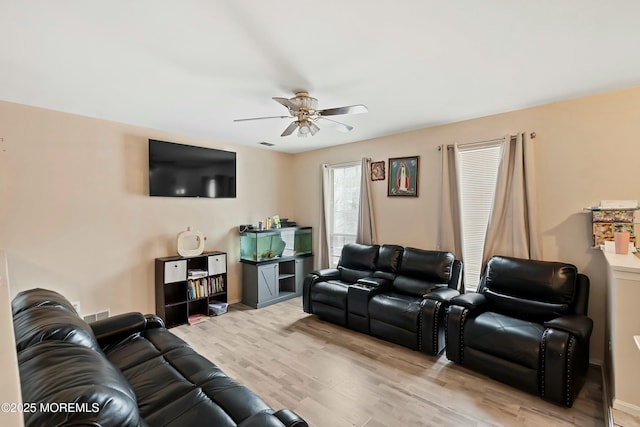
[[75, 215], [586, 150], [10, 378]]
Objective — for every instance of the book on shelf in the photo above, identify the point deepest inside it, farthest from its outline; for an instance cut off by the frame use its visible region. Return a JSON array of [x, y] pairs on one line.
[[216, 285], [204, 287], [197, 318], [196, 274], [191, 290]]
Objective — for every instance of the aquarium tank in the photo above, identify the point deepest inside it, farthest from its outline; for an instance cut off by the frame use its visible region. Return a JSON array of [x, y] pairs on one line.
[[263, 245]]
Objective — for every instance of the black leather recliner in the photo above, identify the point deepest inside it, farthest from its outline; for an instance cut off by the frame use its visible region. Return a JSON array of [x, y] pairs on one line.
[[527, 326], [325, 291], [398, 294], [410, 309]]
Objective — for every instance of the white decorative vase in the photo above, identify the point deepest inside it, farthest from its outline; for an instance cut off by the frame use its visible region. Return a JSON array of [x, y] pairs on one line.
[[190, 243]]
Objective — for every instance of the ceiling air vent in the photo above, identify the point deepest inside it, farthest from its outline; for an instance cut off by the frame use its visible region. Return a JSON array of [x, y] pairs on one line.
[[266, 144]]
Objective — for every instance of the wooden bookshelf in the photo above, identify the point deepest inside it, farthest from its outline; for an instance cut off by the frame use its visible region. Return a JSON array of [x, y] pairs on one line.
[[185, 286]]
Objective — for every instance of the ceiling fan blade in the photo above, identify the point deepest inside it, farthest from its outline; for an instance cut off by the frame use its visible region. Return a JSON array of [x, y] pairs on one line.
[[262, 118], [351, 109], [337, 125], [286, 102], [289, 130], [313, 128]]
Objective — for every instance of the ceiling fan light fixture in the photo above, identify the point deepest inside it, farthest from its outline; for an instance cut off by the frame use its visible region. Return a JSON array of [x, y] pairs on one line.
[[304, 129], [303, 109], [302, 100]]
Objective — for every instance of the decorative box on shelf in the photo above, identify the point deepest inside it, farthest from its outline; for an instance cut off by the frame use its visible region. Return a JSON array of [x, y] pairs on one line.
[[610, 218]]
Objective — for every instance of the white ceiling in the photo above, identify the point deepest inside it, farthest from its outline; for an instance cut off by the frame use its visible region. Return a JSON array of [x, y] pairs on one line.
[[193, 66]]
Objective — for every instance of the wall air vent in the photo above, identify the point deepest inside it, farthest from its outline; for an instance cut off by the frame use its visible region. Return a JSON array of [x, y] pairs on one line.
[[96, 316]]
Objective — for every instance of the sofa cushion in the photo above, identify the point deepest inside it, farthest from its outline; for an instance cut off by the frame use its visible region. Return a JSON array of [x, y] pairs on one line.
[[541, 290], [171, 380], [332, 292], [422, 271], [51, 322], [37, 298], [396, 309], [58, 372], [388, 263], [505, 337], [357, 261]]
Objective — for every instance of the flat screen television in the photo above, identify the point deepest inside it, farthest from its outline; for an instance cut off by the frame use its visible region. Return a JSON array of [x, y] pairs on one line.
[[178, 170]]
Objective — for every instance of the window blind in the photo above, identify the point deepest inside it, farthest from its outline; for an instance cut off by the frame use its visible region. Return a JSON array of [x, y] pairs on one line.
[[477, 174]]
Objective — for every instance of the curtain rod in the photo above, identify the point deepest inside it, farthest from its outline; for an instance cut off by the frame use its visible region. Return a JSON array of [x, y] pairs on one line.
[[532, 135], [353, 162]]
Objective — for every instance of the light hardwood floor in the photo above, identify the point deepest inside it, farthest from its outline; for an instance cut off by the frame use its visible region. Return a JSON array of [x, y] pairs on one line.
[[335, 377]]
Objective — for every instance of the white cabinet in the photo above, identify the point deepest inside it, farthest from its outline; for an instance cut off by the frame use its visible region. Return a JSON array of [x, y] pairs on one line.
[[623, 323]]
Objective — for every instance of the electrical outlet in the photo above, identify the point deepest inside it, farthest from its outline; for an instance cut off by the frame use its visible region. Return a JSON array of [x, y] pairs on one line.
[[76, 306]]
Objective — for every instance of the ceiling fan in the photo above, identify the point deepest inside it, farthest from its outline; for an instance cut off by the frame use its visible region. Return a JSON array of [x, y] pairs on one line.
[[304, 110]]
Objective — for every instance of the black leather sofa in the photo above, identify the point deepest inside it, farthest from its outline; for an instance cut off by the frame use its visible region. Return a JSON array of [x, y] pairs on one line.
[[127, 370], [395, 293], [527, 326]]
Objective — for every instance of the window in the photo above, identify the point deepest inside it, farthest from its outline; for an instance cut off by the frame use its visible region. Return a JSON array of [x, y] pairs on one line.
[[344, 182], [477, 174]]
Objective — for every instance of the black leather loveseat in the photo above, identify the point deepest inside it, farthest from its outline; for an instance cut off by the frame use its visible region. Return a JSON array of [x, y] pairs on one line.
[[527, 326], [395, 293], [127, 370]]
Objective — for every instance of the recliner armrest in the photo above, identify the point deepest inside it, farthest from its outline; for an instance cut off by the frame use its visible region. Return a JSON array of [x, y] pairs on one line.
[[470, 301], [576, 324], [327, 273], [442, 295], [122, 325], [154, 321], [283, 417], [290, 418], [375, 282]]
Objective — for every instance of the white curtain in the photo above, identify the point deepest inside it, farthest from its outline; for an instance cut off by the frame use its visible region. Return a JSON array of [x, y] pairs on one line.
[[450, 229], [512, 229], [323, 244], [366, 232]]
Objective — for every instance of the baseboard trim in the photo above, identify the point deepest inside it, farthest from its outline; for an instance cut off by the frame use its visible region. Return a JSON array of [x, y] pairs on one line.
[[596, 362], [629, 408], [606, 397]]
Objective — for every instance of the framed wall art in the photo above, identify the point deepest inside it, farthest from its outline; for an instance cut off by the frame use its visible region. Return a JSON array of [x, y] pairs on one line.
[[377, 171], [403, 176]]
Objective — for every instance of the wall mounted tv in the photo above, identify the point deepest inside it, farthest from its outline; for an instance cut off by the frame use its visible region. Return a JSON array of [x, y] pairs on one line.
[[177, 170]]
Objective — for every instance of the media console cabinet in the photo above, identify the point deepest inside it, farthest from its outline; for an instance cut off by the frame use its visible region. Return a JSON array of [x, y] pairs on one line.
[[274, 264], [269, 282]]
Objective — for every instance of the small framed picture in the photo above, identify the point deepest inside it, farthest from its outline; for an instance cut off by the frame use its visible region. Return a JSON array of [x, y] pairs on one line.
[[377, 171], [403, 176]]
